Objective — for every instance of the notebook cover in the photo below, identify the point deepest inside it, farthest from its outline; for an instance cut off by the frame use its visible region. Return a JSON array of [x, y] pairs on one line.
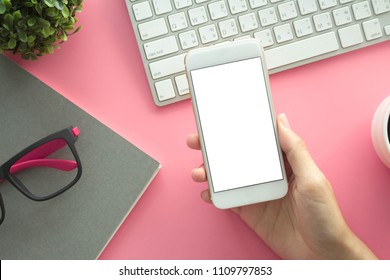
[[79, 223]]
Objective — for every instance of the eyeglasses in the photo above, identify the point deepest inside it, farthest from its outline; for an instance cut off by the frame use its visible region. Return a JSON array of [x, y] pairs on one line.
[[45, 169]]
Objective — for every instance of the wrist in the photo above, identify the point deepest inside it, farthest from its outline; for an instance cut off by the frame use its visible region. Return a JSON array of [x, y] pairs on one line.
[[352, 248]]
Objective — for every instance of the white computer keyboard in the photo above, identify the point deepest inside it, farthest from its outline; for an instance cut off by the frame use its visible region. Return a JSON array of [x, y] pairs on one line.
[[292, 32]]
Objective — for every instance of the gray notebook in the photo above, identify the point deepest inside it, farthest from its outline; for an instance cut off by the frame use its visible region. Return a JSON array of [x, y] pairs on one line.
[[79, 223]]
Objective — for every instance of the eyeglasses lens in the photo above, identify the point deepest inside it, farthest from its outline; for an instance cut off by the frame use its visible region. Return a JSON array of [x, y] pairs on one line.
[[47, 169]]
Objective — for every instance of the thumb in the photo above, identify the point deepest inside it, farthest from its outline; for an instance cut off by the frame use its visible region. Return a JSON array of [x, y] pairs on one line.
[[301, 162]]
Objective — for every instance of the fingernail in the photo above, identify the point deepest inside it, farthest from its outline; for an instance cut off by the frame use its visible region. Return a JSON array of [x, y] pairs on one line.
[[285, 121]]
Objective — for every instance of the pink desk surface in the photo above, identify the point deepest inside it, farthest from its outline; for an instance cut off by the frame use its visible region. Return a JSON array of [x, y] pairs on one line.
[[329, 103]]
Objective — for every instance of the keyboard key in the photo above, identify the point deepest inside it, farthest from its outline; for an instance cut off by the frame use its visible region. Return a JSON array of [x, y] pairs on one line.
[[372, 29], [387, 30], [361, 10], [167, 66], [208, 33], [350, 36], [237, 6], [342, 16], [303, 27], [152, 29], [142, 11], [322, 22], [268, 16], [180, 4], [300, 50], [162, 6], [228, 28], [188, 40], [161, 47], [307, 6], [165, 90], [381, 6], [283, 33], [287, 11], [218, 10], [197, 16], [248, 22], [257, 3], [326, 4], [178, 21], [265, 37], [182, 85]]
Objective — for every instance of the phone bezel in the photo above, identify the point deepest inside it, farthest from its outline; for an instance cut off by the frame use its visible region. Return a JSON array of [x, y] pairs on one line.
[[217, 55]]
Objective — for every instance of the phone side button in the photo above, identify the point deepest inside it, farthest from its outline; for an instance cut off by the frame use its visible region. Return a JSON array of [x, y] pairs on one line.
[[165, 90]]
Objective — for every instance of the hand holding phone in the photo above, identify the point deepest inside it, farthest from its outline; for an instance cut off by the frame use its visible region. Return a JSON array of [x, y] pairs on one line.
[[230, 95]]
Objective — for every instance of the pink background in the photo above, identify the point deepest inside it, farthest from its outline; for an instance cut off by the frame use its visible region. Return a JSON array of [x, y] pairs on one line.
[[329, 103]]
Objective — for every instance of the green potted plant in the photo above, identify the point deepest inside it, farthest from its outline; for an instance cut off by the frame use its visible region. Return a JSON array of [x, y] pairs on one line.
[[32, 28]]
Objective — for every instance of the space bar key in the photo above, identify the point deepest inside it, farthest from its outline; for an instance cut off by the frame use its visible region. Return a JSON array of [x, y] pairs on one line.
[[301, 50]]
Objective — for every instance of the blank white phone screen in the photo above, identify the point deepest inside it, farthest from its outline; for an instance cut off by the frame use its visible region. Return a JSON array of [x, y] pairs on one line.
[[236, 124]]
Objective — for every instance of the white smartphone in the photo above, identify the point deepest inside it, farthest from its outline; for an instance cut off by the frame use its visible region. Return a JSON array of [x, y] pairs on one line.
[[236, 124]]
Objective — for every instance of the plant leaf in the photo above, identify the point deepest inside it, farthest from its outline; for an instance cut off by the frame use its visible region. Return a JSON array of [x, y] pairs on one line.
[[22, 36], [65, 12], [9, 20], [51, 12], [4, 32], [49, 3], [17, 15], [38, 9], [44, 22], [58, 5], [5, 5], [3, 8], [12, 43], [50, 49], [31, 21], [31, 38], [64, 36]]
